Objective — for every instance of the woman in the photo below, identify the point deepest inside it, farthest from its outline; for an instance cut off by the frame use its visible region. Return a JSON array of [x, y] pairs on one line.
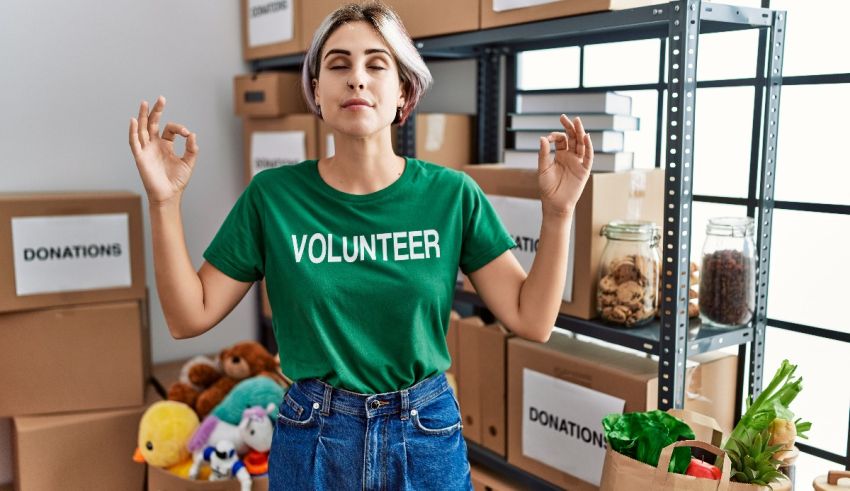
[[360, 253]]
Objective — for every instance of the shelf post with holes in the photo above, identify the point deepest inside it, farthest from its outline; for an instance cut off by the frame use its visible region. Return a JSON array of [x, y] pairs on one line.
[[764, 225], [488, 90], [684, 20]]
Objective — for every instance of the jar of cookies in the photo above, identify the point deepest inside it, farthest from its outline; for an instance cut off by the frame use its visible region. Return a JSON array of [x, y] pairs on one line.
[[626, 292], [727, 285]]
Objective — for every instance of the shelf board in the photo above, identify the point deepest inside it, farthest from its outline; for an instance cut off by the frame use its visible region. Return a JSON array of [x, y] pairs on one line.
[[497, 464], [651, 21], [701, 339]]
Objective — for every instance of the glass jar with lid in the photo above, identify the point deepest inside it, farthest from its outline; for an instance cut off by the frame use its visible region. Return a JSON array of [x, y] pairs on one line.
[[626, 292], [728, 278]]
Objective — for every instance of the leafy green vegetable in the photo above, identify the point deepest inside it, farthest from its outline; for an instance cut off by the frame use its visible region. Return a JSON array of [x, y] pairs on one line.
[[642, 436], [747, 445]]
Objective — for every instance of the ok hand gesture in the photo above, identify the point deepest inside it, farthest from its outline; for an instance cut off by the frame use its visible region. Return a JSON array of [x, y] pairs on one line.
[[562, 180], [163, 173]]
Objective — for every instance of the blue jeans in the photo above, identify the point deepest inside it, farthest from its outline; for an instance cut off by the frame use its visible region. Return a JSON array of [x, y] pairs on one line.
[[328, 438]]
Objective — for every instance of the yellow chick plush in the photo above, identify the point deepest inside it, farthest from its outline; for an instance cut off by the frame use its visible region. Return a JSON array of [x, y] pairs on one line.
[[164, 429]]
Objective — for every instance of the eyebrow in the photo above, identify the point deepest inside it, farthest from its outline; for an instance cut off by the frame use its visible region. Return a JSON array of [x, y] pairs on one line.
[[348, 53]]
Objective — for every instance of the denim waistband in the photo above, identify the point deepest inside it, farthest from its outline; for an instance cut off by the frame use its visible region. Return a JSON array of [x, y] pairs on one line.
[[329, 398]]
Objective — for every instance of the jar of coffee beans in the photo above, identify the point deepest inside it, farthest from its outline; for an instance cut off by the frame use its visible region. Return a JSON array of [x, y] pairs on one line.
[[728, 274], [627, 287]]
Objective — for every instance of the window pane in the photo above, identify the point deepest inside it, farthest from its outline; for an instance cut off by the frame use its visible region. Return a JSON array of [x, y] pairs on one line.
[[642, 142], [699, 219], [824, 400], [808, 269], [625, 63], [556, 68], [725, 55], [722, 137], [815, 32], [811, 162]]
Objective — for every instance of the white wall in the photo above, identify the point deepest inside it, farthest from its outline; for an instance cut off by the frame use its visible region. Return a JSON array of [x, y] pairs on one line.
[[73, 73]]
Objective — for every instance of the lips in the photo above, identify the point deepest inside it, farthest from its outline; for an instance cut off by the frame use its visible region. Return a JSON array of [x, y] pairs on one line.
[[356, 102]]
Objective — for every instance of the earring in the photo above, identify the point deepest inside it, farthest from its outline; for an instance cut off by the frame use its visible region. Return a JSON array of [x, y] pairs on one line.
[[397, 115], [319, 109]]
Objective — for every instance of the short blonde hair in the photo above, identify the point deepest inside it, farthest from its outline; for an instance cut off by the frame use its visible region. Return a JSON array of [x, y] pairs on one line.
[[413, 73]]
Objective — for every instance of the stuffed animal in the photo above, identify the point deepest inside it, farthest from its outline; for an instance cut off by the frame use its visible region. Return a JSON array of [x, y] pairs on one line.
[[256, 430], [224, 463], [164, 430], [222, 423], [239, 362], [196, 375]]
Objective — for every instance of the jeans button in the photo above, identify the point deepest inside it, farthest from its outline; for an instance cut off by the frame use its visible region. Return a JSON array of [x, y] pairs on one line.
[[316, 405]]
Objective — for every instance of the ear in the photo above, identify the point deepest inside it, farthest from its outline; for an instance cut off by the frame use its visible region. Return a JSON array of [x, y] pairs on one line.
[[315, 92]]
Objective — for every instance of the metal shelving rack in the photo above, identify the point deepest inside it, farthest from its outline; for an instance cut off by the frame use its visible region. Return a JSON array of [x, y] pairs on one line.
[[674, 337]]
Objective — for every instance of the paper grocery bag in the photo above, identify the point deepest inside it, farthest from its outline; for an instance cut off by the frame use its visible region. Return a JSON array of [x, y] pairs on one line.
[[621, 473]]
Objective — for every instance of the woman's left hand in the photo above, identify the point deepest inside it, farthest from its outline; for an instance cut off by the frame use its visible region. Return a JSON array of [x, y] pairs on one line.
[[562, 180]]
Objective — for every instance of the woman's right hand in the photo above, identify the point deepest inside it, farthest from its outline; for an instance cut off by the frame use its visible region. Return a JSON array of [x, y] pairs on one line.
[[163, 173]]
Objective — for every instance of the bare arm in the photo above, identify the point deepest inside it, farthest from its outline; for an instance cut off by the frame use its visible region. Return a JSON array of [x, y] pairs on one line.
[[528, 304], [193, 302]]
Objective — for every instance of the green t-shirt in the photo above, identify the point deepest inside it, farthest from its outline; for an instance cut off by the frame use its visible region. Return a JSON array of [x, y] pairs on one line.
[[361, 286]]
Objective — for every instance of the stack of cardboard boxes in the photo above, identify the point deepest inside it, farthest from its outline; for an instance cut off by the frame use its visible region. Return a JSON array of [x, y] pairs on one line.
[[286, 27], [74, 341]]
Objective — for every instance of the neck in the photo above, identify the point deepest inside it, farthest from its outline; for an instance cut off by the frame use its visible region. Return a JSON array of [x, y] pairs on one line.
[[362, 165]]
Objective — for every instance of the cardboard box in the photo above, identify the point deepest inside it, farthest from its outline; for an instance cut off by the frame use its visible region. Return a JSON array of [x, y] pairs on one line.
[[70, 248], [564, 367], [271, 29], [421, 19], [88, 450], [445, 139], [72, 359], [162, 480], [273, 142], [268, 94], [485, 480], [637, 194], [483, 375], [550, 10]]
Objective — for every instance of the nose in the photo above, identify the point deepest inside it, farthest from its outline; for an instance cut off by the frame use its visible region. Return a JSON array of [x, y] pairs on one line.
[[356, 80]]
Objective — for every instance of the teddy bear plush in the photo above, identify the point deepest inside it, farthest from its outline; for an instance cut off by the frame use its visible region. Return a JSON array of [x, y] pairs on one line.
[[210, 383]]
